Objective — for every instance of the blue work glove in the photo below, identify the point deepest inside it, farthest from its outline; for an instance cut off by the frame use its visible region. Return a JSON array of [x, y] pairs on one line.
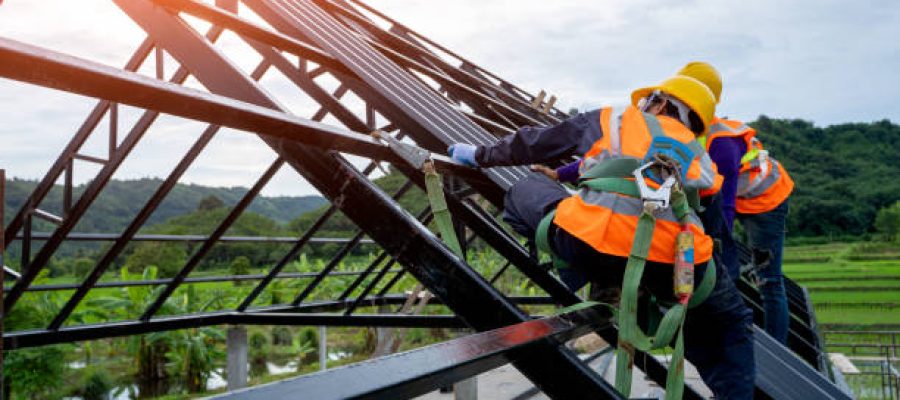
[[463, 153]]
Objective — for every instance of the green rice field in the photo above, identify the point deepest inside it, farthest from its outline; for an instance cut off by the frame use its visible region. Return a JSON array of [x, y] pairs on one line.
[[848, 291], [855, 290]]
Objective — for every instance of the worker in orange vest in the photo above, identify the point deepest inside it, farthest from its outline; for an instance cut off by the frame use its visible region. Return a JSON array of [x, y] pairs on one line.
[[756, 192], [592, 231]]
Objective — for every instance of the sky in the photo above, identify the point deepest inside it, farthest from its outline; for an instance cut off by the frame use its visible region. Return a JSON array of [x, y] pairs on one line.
[[825, 61]]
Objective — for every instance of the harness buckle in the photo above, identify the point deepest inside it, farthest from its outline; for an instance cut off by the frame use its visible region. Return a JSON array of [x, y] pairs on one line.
[[659, 198]]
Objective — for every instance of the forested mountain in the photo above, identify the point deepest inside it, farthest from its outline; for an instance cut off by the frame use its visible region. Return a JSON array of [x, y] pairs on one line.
[[121, 199], [843, 173]]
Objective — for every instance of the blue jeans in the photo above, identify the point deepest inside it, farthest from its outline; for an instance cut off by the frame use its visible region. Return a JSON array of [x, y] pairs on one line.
[[718, 339], [765, 236]]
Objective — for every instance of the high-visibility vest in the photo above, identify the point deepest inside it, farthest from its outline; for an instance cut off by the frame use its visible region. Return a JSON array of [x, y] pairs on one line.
[[763, 183], [607, 221]]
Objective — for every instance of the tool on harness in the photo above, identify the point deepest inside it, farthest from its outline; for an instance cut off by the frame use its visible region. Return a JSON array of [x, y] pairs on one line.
[[671, 170]]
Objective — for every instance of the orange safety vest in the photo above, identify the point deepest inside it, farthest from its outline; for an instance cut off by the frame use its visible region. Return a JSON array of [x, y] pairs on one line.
[[607, 221], [763, 183]]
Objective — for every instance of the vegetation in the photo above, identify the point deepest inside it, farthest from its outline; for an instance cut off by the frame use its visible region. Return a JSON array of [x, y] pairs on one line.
[[849, 292], [843, 173], [842, 190], [121, 199]]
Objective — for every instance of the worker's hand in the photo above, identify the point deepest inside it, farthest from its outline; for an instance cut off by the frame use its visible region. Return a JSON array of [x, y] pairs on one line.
[[463, 153], [550, 172]]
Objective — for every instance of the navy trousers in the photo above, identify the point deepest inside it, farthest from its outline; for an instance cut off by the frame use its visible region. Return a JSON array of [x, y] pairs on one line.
[[765, 235], [718, 338]]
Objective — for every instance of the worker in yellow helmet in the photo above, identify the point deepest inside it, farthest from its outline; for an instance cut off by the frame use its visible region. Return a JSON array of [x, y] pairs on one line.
[[593, 230], [756, 189]]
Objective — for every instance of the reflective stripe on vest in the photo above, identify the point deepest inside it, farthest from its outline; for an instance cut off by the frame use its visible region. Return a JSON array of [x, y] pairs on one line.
[[707, 172], [615, 140], [605, 220], [761, 183], [631, 206], [615, 131]]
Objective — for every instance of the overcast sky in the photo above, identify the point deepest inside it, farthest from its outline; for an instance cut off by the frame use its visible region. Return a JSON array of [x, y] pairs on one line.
[[826, 61]]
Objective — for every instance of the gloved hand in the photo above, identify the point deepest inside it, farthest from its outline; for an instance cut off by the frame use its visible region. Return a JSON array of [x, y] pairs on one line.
[[463, 153]]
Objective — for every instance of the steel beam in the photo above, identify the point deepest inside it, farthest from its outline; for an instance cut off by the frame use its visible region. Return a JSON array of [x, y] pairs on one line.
[[434, 265], [416, 372], [64, 161], [67, 334], [201, 279], [213, 238], [112, 237], [113, 252], [55, 70]]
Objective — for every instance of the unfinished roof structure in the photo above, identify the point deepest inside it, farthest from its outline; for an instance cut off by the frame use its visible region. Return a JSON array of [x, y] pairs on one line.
[[388, 78]]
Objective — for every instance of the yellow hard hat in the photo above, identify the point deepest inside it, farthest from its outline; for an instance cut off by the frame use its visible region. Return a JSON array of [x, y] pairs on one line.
[[689, 91], [706, 73]]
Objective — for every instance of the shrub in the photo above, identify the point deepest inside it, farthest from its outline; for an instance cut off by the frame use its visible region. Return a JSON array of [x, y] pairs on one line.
[[96, 384]]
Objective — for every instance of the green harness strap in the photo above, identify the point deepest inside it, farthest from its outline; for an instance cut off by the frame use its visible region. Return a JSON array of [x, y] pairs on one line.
[[631, 337], [435, 190]]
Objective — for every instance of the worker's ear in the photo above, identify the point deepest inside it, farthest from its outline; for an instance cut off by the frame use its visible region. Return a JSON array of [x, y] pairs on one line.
[[658, 106]]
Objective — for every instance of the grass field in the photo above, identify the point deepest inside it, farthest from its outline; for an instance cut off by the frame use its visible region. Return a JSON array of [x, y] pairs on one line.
[[848, 291], [853, 287], [844, 278]]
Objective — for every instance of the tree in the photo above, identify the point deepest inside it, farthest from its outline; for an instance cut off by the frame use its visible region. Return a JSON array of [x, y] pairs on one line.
[[168, 257], [240, 266], [210, 202], [888, 221], [82, 266], [34, 373]]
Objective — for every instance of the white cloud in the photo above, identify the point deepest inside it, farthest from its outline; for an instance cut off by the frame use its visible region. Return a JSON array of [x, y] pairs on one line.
[[827, 61]]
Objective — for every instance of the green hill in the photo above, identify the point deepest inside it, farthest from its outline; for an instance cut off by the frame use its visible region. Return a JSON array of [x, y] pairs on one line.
[[121, 199], [843, 173]]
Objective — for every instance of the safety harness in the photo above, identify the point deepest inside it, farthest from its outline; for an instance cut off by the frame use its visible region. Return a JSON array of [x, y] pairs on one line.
[[625, 176], [612, 176]]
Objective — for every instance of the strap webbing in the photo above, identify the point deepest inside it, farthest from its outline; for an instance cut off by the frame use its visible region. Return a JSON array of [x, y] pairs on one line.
[[631, 336], [609, 177], [435, 190], [542, 240], [612, 168]]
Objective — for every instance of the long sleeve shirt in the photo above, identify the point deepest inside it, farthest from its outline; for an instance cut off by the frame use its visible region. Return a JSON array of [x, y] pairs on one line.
[[568, 173], [726, 152], [530, 145]]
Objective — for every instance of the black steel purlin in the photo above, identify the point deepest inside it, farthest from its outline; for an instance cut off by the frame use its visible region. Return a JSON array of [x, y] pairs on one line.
[[408, 84]]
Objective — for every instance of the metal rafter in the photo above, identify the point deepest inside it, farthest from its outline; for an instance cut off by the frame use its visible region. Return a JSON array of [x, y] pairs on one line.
[[343, 37], [445, 275]]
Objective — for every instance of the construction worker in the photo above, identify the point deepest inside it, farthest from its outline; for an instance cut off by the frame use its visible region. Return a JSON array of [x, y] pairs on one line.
[[592, 231], [756, 189]]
